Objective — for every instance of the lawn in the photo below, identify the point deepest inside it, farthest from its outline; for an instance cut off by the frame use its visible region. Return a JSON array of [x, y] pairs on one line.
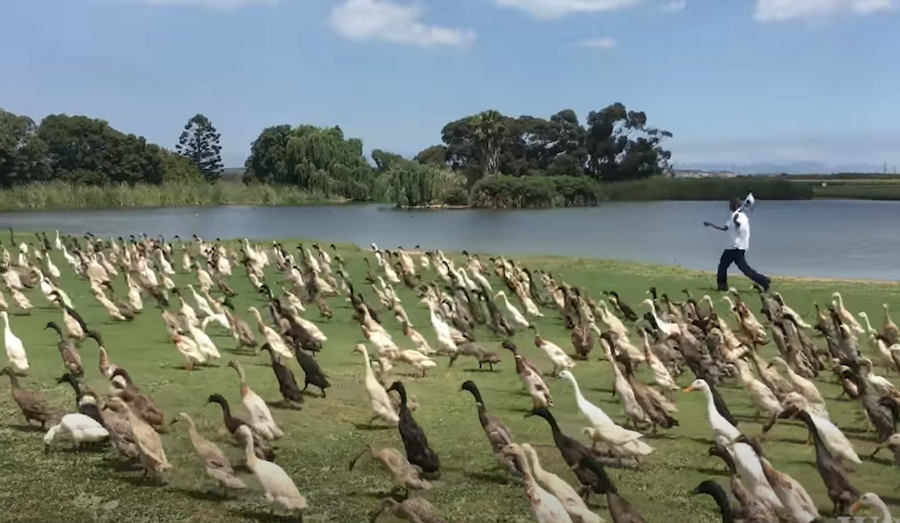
[[321, 438]]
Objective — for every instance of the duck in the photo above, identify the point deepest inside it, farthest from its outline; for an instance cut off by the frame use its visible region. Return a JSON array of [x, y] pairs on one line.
[[279, 487], [754, 509], [214, 460], [287, 384], [797, 502], [260, 415], [415, 359], [573, 453], [405, 476], [497, 433], [621, 441], [313, 374], [804, 387], [86, 403], [414, 440], [82, 429], [514, 318], [724, 433], [15, 350], [619, 508], [32, 404], [416, 510], [656, 407], [571, 501], [260, 447], [669, 329], [546, 507], [715, 491], [561, 360], [841, 492], [150, 450], [834, 440], [139, 403], [870, 499], [189, 349], [67, 351], [534, 384], [622, 387], [380, 400], [845, 315]]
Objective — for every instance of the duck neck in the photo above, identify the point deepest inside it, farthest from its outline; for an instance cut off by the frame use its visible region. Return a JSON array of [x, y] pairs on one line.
[[724, 504]]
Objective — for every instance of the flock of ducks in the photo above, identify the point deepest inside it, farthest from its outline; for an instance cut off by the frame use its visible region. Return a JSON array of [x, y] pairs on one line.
[[464, 310]]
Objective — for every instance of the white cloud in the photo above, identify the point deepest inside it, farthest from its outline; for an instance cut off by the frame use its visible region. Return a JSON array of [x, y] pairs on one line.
[[210, 4], [674, 6], [552, 9], [605, 43], [396, 23], [787, 10]]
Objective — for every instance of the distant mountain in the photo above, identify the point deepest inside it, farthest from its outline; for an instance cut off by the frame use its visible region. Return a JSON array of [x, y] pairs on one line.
[[783, 168]]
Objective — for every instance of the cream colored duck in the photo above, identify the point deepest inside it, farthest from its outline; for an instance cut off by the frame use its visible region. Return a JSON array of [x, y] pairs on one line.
[[20, 299], [415, 359], [762, 397], [876, 345], [610, 320], [203, 309], [293, 301], [564, 492], [82, 429], [630, 404], [381, 401], [445, 342], [15, 350], [661, 374], [52, 269], [381, 340], [751, 473], [797, 502], [515, 318], [149, 445], [420, 342], [134, 293], [214, 460], [313, 329], [804, 387], [880, 383], [669, 329], [724, 433], [188, 311], [547, 508], [260, 417], [845, 315], [279, 487], [870, 499], [835, 440], [272, 338], [621, 441], [203, 341], [561, 360], [189, 349]]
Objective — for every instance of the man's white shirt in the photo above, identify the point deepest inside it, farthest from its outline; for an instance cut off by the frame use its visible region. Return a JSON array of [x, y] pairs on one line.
[[739, 232]]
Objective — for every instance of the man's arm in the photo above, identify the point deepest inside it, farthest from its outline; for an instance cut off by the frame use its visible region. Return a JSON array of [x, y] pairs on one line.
[[714, 226]]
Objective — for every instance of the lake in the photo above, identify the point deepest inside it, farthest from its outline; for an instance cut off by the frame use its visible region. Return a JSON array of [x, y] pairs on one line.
[[817, 238]]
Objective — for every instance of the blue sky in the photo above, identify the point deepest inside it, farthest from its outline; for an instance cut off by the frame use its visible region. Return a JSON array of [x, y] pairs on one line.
[[736, 81]]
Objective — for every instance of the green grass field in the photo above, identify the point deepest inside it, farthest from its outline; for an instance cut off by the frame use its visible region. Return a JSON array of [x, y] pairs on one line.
[[92, 487]]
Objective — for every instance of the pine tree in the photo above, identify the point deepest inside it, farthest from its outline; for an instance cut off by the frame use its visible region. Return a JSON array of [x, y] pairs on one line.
[[200, 143]]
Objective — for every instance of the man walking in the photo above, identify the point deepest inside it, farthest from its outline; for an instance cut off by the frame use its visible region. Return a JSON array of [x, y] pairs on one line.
[[738, 228]]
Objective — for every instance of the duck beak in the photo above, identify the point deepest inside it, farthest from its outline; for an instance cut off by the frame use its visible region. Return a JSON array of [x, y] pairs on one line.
[[689, 388], [855, 506]]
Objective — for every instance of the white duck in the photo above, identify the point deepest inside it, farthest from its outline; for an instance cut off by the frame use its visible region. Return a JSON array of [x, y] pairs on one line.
[[260, 417], [564, 492], [381, 401], [547, 508], [82, 429], [724, 433], [15, 351], [623, 442], [845, 315], [516, 320], [670, 329], [279, 487], [445, 343], [871, 499]]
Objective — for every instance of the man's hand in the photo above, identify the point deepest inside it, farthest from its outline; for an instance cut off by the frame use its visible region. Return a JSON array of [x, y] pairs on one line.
[[708, 224]]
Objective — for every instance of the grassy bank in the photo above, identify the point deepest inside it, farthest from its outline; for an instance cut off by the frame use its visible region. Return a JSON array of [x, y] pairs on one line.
[[856, 188], [62, 195], [568, 191], [326, 433]]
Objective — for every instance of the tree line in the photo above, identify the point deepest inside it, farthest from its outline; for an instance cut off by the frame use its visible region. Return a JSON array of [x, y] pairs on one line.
[[488, 159]]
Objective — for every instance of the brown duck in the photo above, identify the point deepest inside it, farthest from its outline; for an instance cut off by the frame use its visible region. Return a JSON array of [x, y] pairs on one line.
[[67, 351], [32, 404]]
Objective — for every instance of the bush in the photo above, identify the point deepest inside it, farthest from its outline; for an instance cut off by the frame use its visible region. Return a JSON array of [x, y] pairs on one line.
[[652, 189], [535, 192]]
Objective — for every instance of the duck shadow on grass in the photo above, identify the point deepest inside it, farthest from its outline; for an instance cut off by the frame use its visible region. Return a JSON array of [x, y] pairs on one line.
[[703, 441], [27, 428], [120, 465], [204, 495], [369, 426], [875, 459], [266, 516], [477, 370], [139, 480], [493, 477], [709, 471], [284, 405]]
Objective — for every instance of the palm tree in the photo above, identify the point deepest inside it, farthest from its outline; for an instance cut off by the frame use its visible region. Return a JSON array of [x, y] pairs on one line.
[[488, 129]]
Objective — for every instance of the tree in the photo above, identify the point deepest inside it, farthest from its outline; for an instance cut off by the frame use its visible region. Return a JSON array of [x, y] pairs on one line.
[[200, 143], [488, 130], [23, 155]]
